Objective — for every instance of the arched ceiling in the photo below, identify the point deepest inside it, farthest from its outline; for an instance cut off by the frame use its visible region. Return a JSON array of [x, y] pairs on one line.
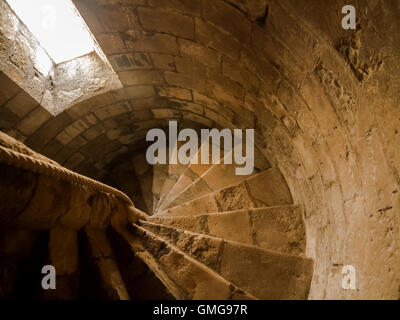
[[324, 102]]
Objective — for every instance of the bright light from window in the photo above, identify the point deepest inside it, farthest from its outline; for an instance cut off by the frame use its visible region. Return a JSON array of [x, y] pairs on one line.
[[57, 26]]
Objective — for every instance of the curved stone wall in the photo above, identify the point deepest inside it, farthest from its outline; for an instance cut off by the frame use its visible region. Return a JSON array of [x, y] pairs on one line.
[[323, 100]]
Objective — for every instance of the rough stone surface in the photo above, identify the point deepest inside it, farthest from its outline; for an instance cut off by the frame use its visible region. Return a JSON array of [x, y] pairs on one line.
[[323, 100], [278, 229], [52, 85], [273, 276], [197, 281], [102, 253], [265, 281], [264, 189]]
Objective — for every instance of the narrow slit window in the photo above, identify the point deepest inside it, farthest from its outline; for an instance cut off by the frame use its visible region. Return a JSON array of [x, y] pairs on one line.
[[57, 25]]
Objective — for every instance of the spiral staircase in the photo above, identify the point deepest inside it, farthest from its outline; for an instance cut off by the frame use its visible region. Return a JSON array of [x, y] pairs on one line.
[[208, 234]]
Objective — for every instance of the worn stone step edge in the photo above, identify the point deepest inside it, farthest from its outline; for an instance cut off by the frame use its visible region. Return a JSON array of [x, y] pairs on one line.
[[248, 226], [201, 182], [260, 164], [164, 202], [188, 172], [143, 224], [234, 291], [216, 257], [247, 187]]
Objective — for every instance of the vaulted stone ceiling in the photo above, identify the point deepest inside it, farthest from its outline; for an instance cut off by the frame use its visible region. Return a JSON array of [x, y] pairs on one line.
[[324, 102]]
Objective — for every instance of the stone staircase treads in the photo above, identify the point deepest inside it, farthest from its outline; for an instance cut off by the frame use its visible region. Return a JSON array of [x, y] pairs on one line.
[[265, 189], [240, 237], [174, 172], [197, 281], [169, 176], [214, 178], [233, 261], [274, 228], [190, 174], [217, 177]]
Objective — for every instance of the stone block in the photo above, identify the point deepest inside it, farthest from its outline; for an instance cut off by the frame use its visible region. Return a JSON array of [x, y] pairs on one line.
[[135, 92], [130, 61], [34, 120], [273, 276], [167, 22], [21, 104], [88, 14], [74, 160], [189, 7], [191, 107], [166, 113], [210, 36], [111, 43], [93, 132], [140, 77], [254, 8], [175, 93], [240, 75], [72, 131], [48, 130], [226, 87], [280, 229], [189, 66], [8, 88], [234, 198], [234, 226], [102, 254], [163, 61], [206, 56], [143, 103], [227, 17], [197, 280], [156, 43], [206, 123], [269, 188], [81, 109], [206, 204], [189, 82], [117, 18]]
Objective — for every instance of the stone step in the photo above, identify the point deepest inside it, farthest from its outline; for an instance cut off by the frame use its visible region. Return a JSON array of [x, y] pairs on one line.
[[174, 171], [190, 174], [141, 282], [214, 178], [165, 177], [186, 277], [193, 185], [273, 275], [265, 189], [274, 228]]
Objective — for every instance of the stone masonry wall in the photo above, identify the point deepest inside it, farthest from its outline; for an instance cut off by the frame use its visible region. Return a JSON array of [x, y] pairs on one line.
[[323, 100], [55, 86]]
